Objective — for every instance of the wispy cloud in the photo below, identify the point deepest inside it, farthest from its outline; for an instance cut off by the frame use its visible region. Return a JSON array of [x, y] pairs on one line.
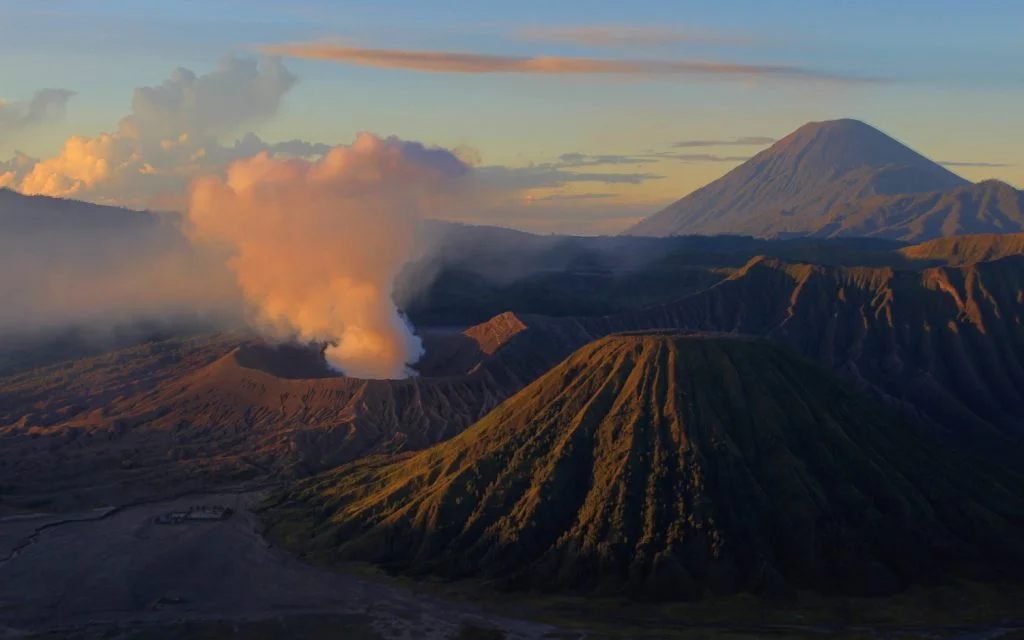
[[746, 141], [955, 163], [630, 36], [544, 176], [45, 106], [477, 63], [699, 157], [561, 197], [575, 159]]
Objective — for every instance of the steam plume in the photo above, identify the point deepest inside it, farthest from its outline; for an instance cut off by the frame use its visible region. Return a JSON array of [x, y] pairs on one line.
[[317, 245]]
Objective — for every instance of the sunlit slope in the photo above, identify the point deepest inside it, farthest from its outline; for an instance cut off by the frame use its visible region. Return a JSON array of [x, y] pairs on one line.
[[671, 466], [961, 250]]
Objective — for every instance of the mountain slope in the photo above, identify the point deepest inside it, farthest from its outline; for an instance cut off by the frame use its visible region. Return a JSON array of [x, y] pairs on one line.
[[212, 409], [961, 250], [788, 187], [671, 466], [21, 213], [986, 207], [945, 343]]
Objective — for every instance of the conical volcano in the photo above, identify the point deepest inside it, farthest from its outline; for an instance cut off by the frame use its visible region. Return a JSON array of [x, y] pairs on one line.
[[671, 466], [792, 186]]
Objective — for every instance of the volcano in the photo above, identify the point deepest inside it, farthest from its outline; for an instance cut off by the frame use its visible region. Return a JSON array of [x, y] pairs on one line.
[[671, 466], [840, 177]]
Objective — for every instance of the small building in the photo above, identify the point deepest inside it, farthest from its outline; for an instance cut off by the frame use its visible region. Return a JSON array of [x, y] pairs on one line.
[[201, 513]]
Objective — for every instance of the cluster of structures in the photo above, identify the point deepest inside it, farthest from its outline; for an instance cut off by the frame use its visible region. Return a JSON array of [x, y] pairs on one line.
[[200, 513]]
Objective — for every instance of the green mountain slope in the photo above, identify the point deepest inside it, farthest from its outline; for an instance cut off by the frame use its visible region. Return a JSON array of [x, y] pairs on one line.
[[671, 466]]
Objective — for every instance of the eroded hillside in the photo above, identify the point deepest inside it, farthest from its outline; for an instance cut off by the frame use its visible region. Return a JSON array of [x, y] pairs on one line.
[[672, 466]]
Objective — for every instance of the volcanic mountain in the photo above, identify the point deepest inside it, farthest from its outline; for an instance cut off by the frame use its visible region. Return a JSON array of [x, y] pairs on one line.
[[672, 466], [183, 413], [840, 177], [945, 343]]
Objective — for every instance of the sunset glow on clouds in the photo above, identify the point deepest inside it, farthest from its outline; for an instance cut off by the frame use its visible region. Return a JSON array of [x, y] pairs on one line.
[[475, 63], [599, 113], [170, 136]]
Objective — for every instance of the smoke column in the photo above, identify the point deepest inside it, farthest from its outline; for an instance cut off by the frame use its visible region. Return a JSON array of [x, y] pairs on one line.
[[316, 246]]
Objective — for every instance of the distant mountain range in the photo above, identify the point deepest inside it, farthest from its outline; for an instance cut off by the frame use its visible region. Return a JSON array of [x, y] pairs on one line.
[[841, 178]]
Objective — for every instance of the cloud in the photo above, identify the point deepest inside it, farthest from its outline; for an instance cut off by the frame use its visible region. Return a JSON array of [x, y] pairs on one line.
[[10, 170], [47, 105], [628, 36], [316, 246], [699, 157], [476, 63], [747, 141], [542, 176], [576, 159], [556, 197], [587, 214], [239, 92], [990, 165], [171, 134], [573, 160]]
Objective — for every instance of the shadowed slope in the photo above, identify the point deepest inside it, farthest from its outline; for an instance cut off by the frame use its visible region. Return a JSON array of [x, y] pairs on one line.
[[671, 466]]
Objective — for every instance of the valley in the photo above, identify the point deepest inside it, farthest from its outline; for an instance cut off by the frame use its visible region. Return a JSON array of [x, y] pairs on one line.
[[122, 576], [124, 569]]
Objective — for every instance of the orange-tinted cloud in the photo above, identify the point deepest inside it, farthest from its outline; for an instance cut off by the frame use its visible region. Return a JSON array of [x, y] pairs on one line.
[[170, 136], [629, 36], [476, 63]]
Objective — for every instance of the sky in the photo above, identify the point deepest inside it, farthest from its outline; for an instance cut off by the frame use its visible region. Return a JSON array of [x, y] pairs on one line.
[[583, 116]]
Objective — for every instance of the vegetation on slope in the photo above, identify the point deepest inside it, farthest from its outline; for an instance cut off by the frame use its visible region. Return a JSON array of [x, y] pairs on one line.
[[670, 466]]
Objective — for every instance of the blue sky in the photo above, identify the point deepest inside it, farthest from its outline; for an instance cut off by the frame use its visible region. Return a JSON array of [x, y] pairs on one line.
[[953, 71]]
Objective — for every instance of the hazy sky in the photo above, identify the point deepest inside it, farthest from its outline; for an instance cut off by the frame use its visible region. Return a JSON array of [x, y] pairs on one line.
[[616, 105]]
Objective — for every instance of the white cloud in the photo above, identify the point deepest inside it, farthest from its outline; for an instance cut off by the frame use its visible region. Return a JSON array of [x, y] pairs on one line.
[[172, 134]]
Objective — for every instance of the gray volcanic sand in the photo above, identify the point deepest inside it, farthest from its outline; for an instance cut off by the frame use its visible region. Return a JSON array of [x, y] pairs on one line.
[[127, 569]]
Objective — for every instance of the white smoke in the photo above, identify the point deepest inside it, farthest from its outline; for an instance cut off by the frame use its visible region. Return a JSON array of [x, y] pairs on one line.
[[317, 245]]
